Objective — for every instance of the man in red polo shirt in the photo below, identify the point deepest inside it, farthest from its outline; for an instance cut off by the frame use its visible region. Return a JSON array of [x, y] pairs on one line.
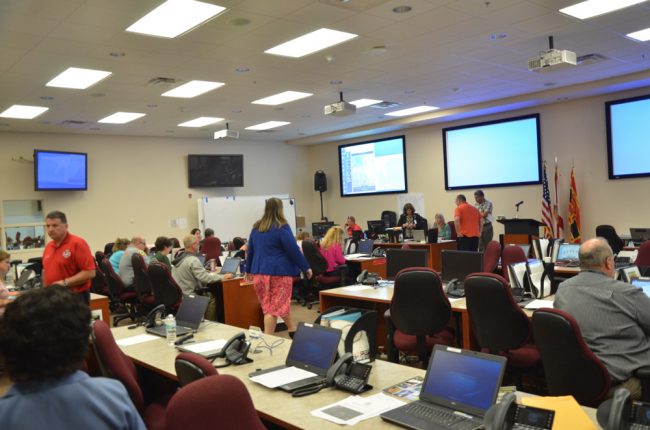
[[67, 259], [468, 223]]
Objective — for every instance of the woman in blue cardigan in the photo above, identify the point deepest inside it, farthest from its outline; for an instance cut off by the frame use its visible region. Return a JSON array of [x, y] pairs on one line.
[[273, 258]]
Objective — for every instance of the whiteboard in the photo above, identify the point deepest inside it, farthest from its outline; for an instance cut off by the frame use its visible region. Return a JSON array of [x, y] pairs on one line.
[[234, 216]]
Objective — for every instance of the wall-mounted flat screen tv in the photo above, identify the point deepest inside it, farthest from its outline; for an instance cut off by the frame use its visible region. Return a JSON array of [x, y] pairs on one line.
[[57, 170], [628, 128], [493, 154], [374, 167], [208, 170]]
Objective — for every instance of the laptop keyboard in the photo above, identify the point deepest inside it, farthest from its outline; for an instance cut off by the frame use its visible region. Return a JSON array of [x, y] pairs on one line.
[[442, 417]]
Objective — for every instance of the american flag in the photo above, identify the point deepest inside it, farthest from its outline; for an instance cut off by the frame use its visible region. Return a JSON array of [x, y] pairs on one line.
[[547, 214]]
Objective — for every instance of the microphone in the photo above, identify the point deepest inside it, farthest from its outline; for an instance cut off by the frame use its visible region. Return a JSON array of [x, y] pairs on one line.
[[519, 204]]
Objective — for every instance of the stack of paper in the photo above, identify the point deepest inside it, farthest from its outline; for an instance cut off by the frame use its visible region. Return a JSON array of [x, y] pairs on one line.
[[354, 409]]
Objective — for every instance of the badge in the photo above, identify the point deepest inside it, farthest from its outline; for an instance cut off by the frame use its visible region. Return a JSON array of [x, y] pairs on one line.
[[67, 253]]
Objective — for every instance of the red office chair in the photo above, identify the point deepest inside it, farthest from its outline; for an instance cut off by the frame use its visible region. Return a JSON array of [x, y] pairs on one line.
[[318, 265], [643, 257], [141, 282], [491, 256], [609, 233], [125, 298], [511, 254], [452, 229], [571, 368], [190, 367], [213, 403], [165, 289], [499, 324], [115, 364], [418, 316]]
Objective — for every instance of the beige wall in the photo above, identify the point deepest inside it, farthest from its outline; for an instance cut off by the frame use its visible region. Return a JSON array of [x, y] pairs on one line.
[[137, 184], [573, 131]]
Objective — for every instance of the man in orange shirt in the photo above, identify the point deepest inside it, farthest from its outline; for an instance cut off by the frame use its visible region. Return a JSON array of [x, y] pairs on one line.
[[468, 223]]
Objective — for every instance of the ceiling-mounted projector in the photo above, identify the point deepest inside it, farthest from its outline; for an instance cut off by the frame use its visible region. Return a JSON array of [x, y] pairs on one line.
[[340, 108], [552, 59], [226, 133]]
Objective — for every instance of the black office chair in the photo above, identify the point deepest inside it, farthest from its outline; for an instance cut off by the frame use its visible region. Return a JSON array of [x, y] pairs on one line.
[[389, 218], [319, 280], [609, 233], [142, 283]]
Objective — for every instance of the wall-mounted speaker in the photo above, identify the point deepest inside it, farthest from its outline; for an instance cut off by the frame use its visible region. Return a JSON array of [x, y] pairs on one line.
[[320, 181]]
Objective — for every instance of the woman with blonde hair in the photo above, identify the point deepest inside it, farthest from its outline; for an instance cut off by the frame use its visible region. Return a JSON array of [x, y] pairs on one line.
[[331, 248], [121, 243], [273, 259], [444, 232]]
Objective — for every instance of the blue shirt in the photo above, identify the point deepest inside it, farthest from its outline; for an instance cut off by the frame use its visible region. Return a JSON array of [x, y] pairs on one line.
[[115, 260], [274, 252], [75, 401]]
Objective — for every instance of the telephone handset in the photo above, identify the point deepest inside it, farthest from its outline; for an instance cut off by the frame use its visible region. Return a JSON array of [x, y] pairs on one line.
[[455, 288], [348, 375], [378, 252], [156, 314], [366, 278], [620, 412], [235, 351], [507, 415]]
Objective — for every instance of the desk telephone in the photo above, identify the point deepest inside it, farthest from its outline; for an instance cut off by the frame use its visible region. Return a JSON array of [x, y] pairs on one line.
[[508, 415], [366, 278], [378, 252], [455, 288], [621, 413], [348, 375], [235, 351]]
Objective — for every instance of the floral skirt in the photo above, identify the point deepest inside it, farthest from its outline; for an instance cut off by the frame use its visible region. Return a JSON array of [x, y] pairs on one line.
[[274, 294]]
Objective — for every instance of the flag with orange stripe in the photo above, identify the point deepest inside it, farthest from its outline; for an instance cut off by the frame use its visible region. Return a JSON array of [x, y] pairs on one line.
[[574, 211]]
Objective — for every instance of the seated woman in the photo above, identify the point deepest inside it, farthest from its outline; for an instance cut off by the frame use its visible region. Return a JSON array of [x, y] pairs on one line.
[[118, 250], [444, 232], [331, 248], [163, 248], [409, 220]]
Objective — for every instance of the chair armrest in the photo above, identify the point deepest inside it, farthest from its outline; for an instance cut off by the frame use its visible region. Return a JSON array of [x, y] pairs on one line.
[[642, 373], [391, 352]]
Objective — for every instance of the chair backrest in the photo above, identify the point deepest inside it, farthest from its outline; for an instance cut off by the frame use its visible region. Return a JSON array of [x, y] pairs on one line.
[[165, 289], [419, 306], [571, 368], [313, 256], [643, 257], [609, 233], [115, 285], [238, 242], [357, 235], [499, 324], [190, 367], [212, 403], [108, 248], [425, 224], [99, 256], [114, 364], [99, 284], [452, 229], [511, 254], [141, 281], [389, 218], [491, 256]]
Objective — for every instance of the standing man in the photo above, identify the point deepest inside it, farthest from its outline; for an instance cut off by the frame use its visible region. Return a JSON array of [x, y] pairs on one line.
[[468, 223], [67, 259], [614, 316], [485, 209]]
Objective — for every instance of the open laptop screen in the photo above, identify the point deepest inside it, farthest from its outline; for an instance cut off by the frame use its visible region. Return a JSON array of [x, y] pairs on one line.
[[365, 246], [643, 284], [230, 265], [568, 252], [314, 347], [464, 380], [190, 313]]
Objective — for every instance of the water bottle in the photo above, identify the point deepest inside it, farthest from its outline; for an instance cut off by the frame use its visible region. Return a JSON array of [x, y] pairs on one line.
[[170, 329]]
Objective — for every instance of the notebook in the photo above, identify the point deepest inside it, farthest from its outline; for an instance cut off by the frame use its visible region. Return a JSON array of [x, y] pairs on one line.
[[188, 318], [458, 389], [230, 265], [312, 353]]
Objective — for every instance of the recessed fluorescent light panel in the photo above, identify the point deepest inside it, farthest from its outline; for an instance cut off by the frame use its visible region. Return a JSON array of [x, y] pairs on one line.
[[281, 98], [311, 42], [412, 111], [590, 8], [175, 17], [23, 112], [641, 35], [200, 122], [121, 117], [267, 125], [361, 103], [193, 89], [78, 79]]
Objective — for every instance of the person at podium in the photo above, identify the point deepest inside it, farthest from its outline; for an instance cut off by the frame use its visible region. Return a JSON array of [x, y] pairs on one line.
[[468, 223], [485, 209]]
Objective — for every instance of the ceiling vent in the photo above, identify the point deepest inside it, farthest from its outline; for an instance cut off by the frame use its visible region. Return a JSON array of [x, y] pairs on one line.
[[592, 58], [385, 105], [74, 123], [356, 5], [161, 81]]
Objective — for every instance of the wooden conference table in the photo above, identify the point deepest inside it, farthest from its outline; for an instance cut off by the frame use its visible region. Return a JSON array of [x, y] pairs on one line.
[[379, 300], [240, 305]]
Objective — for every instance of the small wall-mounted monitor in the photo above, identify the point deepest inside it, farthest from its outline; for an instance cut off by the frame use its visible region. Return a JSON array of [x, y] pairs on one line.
[[58, 170], [209, 170]]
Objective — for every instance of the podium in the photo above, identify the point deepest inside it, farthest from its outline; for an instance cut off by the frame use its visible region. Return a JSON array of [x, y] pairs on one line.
[[519, 230]]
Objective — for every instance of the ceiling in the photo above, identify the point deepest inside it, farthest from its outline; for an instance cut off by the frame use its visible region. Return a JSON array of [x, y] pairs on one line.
[[467, 57]]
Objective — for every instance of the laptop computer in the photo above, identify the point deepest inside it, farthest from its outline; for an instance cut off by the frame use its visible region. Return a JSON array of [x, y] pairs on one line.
[[643, 283], [230, 265], [188, 318], [418, 235], [458, 389], [313, 349], [567, 255], [365, 247], [25, 275]]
